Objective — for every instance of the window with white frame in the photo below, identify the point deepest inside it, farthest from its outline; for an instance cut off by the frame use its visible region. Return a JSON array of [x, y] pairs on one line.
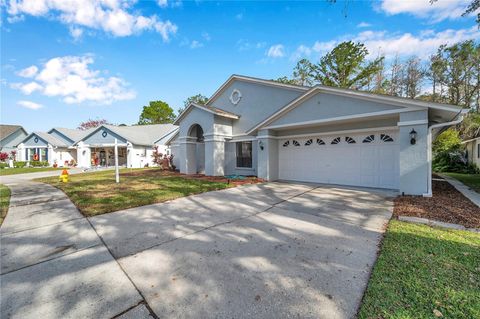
[[244, 154]]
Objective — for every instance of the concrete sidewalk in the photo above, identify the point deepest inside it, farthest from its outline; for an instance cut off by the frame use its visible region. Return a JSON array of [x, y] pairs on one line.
[[469, 193], [53, 263]]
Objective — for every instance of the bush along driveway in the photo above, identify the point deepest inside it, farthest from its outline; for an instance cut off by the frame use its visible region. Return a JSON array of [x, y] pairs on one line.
[[4, 202]]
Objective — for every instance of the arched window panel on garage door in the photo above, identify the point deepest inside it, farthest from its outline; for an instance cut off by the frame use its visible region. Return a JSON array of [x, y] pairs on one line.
[[386, 138], [335, 141], [369, 139], [309, 142], [286, 144], [350, 140], [320, 141]]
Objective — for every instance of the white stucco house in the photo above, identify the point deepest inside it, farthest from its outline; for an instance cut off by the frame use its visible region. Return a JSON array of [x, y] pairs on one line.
[[54, 146], [472, 148], [10, 136], [318, 134], [135, 145], [95, 147]]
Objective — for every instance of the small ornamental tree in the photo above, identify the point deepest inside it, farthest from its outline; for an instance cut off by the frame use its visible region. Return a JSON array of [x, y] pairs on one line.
[[12, 155], [3, 156], [157, 156], [91, 124]]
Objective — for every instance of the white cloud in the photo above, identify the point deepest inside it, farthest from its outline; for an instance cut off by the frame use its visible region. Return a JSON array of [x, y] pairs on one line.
[[115, 17], [301, 52], [276, 51], [363, 25], [206, 36], [72, 79], [76, 33], [244, 45], [195, 44], [28, 72], [423, 44], [30, 105], [27, 88], [162, 3], [435, 12]]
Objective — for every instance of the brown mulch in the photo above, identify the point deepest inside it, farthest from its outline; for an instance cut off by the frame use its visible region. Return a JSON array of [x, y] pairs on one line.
[[218, 179], [446, 205]]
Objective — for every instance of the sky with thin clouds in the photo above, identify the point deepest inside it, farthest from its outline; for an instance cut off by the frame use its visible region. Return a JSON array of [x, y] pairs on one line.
[[63, 62]]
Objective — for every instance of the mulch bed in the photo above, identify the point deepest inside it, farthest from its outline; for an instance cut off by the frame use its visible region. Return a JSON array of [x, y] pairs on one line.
[[218, 179], [446, 205]]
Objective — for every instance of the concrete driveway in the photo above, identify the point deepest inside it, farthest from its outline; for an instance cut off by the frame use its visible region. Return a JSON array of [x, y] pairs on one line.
[[274, 250]]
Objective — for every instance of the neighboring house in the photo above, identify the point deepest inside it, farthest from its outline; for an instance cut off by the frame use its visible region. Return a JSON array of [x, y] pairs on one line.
[[55, 146], [311, 134], [472, 147], [10, 136], [135, 145]]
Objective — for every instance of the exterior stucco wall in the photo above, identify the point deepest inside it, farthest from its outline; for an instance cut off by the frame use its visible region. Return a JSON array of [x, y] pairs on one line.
[[325, 106], [257, 103], [231, 160], [413, 158], [98, 139], [30, 142], [268, 157], [60, 155], [10, 143], [197, 116]]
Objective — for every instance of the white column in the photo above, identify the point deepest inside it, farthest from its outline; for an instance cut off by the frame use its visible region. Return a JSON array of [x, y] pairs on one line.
[[267, 160], [215, 156]]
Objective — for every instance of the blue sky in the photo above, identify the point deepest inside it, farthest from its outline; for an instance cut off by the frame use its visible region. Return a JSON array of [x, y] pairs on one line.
[[64, 63]]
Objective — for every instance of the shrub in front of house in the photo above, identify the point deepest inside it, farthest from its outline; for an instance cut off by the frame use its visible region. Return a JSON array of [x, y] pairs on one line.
[[39, 163], [3, 165], [19, 164], [449, 154]]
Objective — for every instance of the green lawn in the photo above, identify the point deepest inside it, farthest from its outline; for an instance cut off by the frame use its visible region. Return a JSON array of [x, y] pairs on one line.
[[97, 193], [423, 271], [471, 180], [23, 170], [4, 201]]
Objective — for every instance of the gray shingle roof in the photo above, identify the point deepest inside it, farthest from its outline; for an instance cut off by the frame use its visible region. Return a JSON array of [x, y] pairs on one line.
[[7, 130], [73, 134], [50, 139], [142, 134]]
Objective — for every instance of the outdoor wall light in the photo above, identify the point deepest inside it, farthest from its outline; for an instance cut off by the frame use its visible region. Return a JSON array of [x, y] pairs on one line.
[[261, 145], [413, 137]]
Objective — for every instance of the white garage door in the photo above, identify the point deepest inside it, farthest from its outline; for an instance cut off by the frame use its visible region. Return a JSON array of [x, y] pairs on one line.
[[369, 159]]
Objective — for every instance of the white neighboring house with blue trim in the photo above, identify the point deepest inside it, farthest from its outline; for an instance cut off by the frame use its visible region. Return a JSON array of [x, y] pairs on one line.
[[10, 136], [54, 146], [135, 145], [317, 134]]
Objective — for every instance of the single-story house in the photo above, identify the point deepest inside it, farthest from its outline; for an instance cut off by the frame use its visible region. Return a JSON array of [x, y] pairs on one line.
[[10, 136], [317, 134], [135, 145], [472, 148], [54, 146], [95, 146]]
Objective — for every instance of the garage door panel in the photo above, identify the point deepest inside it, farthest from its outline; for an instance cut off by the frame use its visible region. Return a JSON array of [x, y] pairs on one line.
[[373, 163]]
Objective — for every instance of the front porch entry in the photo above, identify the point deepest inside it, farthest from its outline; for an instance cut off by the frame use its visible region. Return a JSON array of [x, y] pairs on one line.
[[105, 156]]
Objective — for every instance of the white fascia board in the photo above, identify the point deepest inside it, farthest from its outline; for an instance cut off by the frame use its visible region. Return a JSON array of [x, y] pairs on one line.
[[338, 118]]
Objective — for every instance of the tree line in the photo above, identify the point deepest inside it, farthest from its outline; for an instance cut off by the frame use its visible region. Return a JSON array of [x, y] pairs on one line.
[[451, 75]]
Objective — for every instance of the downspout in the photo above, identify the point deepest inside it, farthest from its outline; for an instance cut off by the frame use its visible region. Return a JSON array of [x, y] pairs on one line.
[[429, 148]]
